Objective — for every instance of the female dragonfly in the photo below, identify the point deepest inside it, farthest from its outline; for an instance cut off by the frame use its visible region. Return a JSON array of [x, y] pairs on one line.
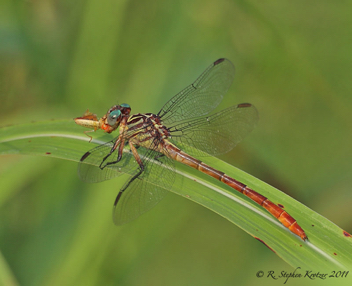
[[180, 130]]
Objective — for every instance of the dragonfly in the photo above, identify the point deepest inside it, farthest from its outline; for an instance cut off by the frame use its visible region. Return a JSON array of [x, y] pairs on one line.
[[149, 144]]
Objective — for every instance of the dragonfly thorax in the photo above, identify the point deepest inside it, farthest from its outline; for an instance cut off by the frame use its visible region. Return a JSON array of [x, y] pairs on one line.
[[146, 128]]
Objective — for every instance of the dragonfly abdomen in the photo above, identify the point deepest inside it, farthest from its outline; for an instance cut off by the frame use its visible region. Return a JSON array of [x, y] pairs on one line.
[[280, 214], [284, 217]]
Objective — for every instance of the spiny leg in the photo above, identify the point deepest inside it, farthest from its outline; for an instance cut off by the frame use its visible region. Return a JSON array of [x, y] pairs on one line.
[[116, 144], [119, 156], [141, 170]]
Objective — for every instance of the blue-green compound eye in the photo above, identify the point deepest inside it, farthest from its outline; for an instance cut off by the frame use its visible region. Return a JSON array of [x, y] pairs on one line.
[[113, 117], [125, 105]]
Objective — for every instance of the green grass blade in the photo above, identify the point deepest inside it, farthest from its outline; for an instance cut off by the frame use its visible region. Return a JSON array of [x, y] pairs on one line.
[[328, 247], [6, 276]]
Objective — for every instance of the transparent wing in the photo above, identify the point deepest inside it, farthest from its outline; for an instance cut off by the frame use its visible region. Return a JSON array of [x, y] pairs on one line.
[[215, 134], [202, 96], [147, 190], [88, 168]]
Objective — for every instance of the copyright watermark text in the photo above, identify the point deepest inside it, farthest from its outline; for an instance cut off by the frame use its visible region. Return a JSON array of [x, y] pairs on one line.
[[299, 273]]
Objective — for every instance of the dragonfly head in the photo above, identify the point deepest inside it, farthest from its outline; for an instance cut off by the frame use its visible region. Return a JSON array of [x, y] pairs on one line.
[[113, 117], [109, 122]]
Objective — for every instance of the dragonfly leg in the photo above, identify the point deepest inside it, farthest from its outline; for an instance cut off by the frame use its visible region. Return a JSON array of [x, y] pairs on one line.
[[117, 144], [119, 156], [136, 147], [140, 171]]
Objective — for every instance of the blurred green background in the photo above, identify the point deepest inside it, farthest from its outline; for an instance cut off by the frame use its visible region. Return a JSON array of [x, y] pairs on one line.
[[58, 58]]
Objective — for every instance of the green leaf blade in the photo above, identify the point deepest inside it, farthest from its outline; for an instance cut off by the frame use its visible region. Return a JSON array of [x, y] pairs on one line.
[[327, 247]]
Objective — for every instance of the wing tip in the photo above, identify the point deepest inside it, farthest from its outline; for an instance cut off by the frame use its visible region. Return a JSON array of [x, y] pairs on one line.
[[244, 105], [226, 62], [219, 61]]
